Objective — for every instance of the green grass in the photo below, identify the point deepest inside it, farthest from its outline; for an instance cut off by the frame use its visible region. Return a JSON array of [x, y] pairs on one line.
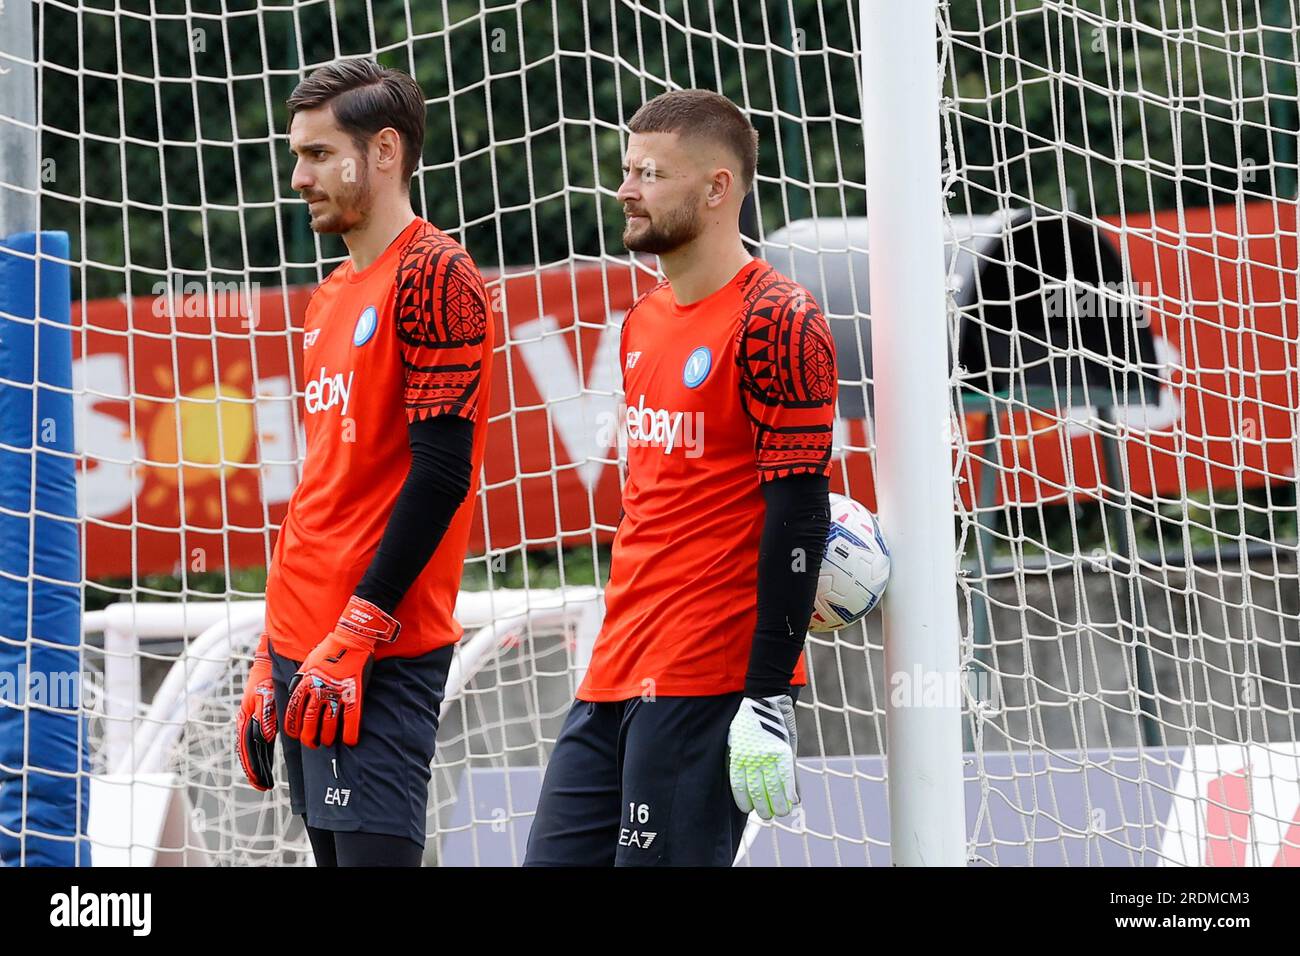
[[537, 569]]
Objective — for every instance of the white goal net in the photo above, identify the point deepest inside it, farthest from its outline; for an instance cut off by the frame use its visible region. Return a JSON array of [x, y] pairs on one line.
[[1119, 213]]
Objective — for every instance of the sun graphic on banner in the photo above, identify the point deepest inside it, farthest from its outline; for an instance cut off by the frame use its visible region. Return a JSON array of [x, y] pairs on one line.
[[200, 439]]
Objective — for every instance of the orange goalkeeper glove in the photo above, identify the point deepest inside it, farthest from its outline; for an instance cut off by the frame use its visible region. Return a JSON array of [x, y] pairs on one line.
[[255, 724], [330, 683]]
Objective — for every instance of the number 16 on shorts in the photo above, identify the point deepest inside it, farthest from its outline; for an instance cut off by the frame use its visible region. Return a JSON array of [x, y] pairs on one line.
[[633, 832]]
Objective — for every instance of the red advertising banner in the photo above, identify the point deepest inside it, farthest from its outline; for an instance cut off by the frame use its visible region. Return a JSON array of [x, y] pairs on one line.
[[188, 408], [189, 419]]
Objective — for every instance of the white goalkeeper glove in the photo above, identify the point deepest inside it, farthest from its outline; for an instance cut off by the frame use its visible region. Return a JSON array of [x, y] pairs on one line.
[[762, 744]]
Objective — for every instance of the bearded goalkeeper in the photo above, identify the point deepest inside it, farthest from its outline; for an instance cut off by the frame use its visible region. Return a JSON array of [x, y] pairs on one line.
[[685, 719], [363, 582]]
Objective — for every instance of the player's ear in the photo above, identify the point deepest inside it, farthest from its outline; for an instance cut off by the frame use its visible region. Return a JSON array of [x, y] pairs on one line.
[[388, 148], [720, 186]]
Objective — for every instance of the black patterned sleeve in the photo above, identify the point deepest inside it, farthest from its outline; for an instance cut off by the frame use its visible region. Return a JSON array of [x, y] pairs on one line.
[[442, 316], [788, 382]]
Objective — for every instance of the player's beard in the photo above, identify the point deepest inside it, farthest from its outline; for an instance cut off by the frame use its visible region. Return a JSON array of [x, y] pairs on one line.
[[352, 204], [674, 229]]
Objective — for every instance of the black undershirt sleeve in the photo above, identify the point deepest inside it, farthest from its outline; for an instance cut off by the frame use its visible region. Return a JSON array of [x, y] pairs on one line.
[[789, 559], [436, 485]]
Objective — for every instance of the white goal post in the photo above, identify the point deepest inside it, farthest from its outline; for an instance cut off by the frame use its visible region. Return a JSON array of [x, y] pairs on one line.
[[909, 347], [1056, 242]]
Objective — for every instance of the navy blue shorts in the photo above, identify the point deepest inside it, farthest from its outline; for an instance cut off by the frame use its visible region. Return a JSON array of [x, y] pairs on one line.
[[640, 783], [382, 784]]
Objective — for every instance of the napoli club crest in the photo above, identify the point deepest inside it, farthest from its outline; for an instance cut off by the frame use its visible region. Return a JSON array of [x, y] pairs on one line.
[[366, 326], [697, 367]]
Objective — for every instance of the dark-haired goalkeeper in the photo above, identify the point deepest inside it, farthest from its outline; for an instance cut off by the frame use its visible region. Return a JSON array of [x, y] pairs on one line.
[[362, 586]]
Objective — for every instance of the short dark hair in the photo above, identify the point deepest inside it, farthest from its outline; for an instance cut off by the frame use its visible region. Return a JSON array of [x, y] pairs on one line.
[[366, 98], [702, 114]]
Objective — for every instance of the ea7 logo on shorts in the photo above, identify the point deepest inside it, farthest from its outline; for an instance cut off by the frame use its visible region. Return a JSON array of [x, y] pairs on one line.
[[637, 838], [325, 391], [337, 796]]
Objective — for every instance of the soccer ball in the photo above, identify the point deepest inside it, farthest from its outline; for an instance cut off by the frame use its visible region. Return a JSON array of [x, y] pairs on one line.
[[855, 567]]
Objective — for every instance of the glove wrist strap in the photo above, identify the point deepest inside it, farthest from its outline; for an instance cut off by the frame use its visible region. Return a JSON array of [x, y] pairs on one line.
[[362, 619]]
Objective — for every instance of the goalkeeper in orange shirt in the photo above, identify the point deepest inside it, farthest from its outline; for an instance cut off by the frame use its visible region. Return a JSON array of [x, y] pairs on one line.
[[363, 582], [685, 719]]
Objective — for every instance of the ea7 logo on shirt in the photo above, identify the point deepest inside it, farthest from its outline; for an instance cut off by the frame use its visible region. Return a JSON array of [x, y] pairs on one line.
[[632, 359], [337, 796], [309, 339], [325, 391]]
